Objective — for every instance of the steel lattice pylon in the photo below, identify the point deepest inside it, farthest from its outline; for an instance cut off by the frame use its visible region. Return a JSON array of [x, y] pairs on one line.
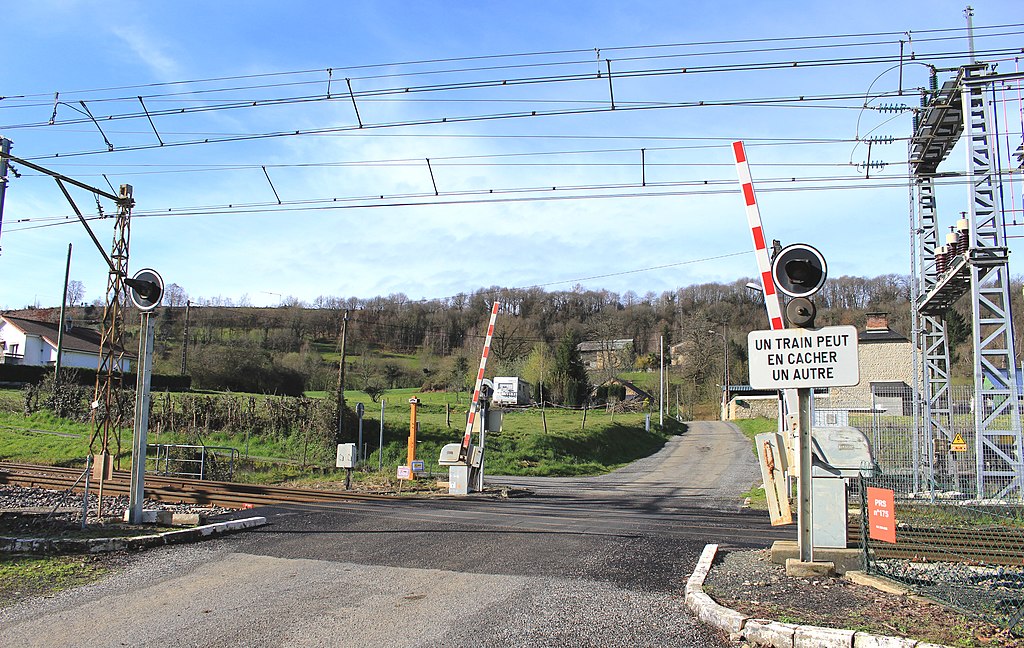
[[961, 107], [108, 411], [996, 412]]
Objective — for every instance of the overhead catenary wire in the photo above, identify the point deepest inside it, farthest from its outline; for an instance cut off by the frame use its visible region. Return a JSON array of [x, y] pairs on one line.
[[957, 33], [491, 197], [787, 101], [407, 91]]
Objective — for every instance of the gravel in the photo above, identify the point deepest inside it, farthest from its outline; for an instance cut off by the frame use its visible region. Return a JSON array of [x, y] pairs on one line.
[[67, 506]]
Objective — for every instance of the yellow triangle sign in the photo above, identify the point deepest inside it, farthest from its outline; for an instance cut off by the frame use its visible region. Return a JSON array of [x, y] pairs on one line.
[[958, 444]]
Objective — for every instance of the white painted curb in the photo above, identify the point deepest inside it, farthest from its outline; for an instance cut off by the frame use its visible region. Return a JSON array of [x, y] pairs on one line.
[[102, 545], [764, 632]]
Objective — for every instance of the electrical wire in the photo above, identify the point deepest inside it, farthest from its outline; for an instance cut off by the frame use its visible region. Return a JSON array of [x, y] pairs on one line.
[[979, 33]]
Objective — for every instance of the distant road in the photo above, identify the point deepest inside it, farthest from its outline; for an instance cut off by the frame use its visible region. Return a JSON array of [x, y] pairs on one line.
[[583, 562]]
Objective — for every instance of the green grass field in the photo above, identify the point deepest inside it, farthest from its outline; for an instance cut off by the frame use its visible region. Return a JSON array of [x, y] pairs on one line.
[[523, 445]]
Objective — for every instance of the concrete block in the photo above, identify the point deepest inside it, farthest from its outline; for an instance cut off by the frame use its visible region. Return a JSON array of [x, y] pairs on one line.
[[865, 640], [816, 637], [797, 569], [844, 559], [169, 518], [711, 613], [763, 632], [149, 516], [877, 582]]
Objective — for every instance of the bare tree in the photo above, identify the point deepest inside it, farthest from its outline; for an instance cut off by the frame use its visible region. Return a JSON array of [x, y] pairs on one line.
[[76, 292]]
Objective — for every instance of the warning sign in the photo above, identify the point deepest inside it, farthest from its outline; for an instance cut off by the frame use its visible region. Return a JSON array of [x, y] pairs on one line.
[[795, 358], [958, 444], [881, 515]]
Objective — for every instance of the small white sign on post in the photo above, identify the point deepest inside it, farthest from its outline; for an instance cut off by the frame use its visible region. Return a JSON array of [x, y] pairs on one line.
[[404, 472], [803, 358]]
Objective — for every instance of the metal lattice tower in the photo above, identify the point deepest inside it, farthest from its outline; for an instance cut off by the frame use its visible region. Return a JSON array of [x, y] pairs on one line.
[[960, 108], [108, 411]]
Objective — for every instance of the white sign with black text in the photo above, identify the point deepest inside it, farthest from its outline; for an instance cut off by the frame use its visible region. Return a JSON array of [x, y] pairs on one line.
[[801, 358]]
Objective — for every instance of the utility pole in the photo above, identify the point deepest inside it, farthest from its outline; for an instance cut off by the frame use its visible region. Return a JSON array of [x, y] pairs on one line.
[[661, 384], [61, 323], [340, 395], [5, 148], [969, 15], [184, 335]]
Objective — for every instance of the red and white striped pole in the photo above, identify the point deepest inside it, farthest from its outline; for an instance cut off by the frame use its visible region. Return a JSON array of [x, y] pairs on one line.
[[771, 295], [764, 264], [475, 406]]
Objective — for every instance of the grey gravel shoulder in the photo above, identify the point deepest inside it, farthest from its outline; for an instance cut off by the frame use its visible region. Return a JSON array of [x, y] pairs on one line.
[[767, 632]]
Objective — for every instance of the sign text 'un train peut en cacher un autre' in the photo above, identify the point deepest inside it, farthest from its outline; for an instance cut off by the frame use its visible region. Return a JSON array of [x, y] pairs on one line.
[[803, 358]]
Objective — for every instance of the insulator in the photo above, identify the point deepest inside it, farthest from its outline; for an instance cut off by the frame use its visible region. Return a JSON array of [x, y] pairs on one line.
[[940, 260], [951, 239], [963, 235]]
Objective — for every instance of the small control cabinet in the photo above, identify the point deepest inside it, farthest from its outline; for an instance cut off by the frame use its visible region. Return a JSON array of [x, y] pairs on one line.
[[346, 455]]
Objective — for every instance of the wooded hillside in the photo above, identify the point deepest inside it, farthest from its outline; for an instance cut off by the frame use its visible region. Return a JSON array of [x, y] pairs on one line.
[[394, 341]]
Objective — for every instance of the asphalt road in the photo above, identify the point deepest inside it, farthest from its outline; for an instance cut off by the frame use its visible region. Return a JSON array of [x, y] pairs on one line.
[[581, 562]]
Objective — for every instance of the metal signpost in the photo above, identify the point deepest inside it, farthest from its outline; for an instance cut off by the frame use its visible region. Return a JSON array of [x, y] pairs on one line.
[[804, 359], [147, 288], [360, 409]]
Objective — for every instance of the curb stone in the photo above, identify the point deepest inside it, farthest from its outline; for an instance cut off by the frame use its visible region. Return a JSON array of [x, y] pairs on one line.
[[765, 632], [102, 545]]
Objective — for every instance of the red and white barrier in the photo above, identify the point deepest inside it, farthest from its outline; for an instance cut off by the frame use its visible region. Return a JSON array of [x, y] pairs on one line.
[[474, 407], [764, 264]]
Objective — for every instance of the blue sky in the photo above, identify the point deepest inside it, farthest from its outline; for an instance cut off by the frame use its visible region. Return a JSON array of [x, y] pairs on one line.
[[358, 214]]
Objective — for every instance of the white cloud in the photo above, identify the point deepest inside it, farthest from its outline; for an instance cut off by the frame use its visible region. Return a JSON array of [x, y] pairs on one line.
[[150, 49]]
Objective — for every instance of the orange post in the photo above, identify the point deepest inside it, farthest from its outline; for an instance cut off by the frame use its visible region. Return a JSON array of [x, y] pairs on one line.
[[413, 402]]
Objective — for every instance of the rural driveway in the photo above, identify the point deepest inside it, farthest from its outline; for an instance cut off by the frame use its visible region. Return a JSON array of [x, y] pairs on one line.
[[583, 562]]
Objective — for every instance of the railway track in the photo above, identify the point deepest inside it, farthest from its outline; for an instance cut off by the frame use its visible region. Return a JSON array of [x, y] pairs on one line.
[[1000, 546], [177, 490], [981, 546]]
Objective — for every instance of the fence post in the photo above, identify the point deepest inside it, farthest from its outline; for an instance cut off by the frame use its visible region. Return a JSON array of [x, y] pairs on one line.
[[864, 523]]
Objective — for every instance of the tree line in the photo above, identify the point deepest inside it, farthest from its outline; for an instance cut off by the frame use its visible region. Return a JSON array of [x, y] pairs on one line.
[[394, 341]]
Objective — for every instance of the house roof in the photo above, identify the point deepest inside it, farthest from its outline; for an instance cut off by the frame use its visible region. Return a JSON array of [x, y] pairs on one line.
[[880, 335], [81, 339], [604, 345], [643, 393]]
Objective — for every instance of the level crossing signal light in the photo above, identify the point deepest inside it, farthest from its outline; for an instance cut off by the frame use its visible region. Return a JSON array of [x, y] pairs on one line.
[[799, 271], [146, 289]]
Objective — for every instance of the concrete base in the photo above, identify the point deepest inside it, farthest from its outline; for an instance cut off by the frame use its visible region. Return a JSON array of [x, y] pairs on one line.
[[797, 569], [844, 559], [168, 518]]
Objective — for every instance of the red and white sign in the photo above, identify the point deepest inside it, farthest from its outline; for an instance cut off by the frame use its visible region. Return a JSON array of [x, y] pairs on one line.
[[881, 515], [404, 472]]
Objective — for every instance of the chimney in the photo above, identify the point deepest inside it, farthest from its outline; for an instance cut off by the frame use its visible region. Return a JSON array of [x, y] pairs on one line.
[[877, 322], [67, 324]]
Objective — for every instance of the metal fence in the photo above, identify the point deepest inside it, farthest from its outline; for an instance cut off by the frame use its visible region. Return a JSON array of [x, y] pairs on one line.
[[193, 461], [953, 543]]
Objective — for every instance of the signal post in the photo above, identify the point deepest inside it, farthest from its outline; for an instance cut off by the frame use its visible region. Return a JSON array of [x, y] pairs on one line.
[[803, 358]]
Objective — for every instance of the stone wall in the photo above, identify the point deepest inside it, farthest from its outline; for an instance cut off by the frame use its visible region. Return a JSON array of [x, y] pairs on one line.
[[748, 407]]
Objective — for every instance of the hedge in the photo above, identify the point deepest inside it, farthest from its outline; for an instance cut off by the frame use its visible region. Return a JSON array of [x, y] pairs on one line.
[[26, 374]]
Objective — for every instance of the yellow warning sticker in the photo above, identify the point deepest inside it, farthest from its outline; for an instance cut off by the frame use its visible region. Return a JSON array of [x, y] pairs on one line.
[[958, 444]]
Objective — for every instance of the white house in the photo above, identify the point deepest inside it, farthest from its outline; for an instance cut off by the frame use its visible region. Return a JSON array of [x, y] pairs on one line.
[[31, 342]]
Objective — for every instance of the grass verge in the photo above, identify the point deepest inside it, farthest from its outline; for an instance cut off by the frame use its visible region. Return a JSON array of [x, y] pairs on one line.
[[25, 576]]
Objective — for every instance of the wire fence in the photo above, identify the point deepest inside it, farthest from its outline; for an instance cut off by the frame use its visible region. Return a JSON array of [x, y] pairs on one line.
[[952, 542]]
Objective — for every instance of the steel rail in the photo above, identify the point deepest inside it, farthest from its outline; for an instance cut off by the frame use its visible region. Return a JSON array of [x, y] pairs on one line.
[[180, 490]]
